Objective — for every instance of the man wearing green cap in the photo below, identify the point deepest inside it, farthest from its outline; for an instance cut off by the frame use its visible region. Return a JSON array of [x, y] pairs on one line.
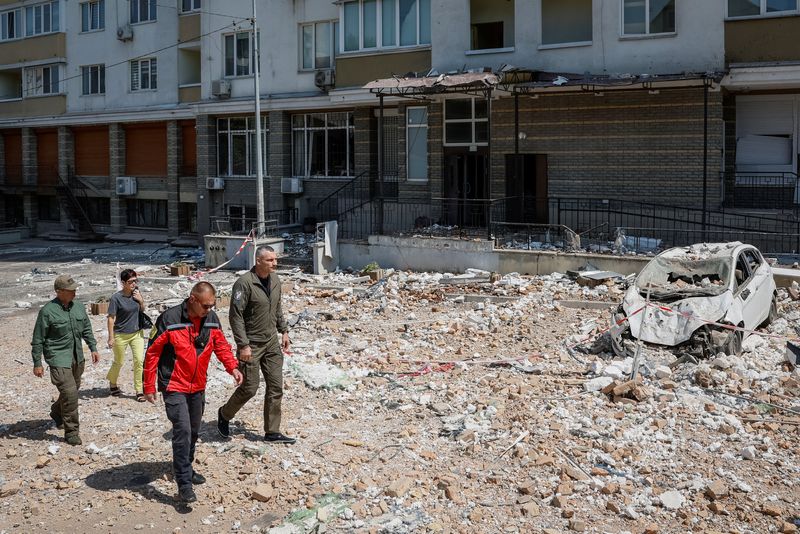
[[60, 327]]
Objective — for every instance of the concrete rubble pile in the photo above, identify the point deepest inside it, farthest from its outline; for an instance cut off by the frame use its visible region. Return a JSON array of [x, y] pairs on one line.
[[424, 402]]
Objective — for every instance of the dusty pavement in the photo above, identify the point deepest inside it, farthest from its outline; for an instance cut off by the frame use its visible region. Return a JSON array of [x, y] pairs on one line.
[[394, 436]]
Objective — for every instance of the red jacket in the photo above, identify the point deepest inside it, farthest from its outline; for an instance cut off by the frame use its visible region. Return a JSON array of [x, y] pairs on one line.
[[181, 354]]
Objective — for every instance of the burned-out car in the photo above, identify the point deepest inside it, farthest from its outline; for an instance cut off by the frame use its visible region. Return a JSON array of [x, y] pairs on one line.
[[695, 292]]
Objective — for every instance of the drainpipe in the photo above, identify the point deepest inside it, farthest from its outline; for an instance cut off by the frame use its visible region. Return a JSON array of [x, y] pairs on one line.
[[705, 154], [380, 167], [489, 165]]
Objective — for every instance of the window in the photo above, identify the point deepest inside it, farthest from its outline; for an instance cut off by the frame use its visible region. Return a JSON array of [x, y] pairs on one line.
[[236, 146], [318, 43], [371, 24], [323, 144], [49, 209], [94, 79], [93, 16], [566, 21], [143, 10], [143, 74], [189, 5], [417, 143], [41, 80], [241, 218], [147, 213], [491, 24], [466, 122], [756, 8], [11, 25], [645, 17], [238, 48], [98, 209], [41, 18]]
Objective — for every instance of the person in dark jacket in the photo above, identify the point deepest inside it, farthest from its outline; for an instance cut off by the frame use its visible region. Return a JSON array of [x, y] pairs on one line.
[[262, 336], [176, 363], [61, 326]]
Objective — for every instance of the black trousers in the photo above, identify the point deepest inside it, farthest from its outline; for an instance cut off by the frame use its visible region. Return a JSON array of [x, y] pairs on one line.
[[185, 412]]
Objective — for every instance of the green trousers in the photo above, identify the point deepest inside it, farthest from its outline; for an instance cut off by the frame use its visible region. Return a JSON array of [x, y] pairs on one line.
[[68, 382], [268, 359]]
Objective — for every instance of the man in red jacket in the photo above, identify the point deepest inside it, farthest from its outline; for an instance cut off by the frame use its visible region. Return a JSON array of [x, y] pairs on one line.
[[181, 344]]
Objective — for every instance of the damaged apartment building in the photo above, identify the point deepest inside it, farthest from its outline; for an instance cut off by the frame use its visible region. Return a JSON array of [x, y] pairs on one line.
[[137, 117]]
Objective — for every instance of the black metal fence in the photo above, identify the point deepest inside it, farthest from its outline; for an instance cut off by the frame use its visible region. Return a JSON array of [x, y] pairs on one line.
[[766, 190], [273, 220]]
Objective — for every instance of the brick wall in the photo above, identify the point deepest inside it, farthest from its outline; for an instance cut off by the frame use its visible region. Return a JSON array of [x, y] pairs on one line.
[[627, 144], [206, 129], [174, 158], [116, 154], [29, 162]]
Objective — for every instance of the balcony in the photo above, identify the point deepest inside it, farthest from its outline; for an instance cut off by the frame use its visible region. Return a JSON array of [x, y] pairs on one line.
[[356, 70], [189, 27], [760, 40], [39, 48], [34, 107]]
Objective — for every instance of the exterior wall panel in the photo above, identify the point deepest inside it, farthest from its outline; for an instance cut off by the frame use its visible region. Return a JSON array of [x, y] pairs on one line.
[[146, 150], [762, 40], [91, 151], [355, 71]]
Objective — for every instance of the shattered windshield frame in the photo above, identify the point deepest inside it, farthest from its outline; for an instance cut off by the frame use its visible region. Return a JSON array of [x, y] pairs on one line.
[[675, 276]]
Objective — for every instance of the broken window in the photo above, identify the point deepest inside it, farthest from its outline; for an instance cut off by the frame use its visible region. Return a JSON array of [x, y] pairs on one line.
[[49, 209], [755, 8], [98, 209], [147, 213], [241, 218], [764, 135], [674, 278], [323, 144], [236, 146], [645, 17], [466, 122], [491, 24], [566, 21]]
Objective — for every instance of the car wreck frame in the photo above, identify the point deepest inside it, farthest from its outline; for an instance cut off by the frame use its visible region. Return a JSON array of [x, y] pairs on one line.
[[704, 299]]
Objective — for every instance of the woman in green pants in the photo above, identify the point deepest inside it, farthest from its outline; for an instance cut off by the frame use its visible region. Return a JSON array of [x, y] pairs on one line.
[[124, 331]]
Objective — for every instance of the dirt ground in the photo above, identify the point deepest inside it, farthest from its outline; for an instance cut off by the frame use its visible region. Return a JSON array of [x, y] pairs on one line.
[[421, 403]]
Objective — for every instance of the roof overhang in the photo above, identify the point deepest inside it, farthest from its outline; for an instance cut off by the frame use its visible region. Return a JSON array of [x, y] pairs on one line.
[[750, 77]]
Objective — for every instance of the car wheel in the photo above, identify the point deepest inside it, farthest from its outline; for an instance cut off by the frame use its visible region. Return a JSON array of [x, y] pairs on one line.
[[773, 313], [733, 347]]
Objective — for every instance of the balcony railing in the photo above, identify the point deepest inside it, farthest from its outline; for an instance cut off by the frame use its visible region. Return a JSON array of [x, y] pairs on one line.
[[767, 190]]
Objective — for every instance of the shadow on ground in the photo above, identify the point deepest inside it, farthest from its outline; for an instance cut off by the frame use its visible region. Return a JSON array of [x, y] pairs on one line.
[[137, 477], [33, 429]]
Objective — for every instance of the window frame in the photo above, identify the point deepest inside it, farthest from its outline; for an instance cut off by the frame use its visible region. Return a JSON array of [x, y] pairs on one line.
[[647, 33], [152, 11], [251, 53], [54, 17], [379, 28], [472, 120], [38, 88], [152, 74], [196, 6], [349, 145], [250, 130], [101, 15], [145, 208], [101, 79], [19, 24], [566, 44], [334, 33], [409, 128], [763, 13]]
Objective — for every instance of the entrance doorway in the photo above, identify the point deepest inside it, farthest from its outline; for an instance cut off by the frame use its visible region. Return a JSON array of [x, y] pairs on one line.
[[466, 188], [526, 188]]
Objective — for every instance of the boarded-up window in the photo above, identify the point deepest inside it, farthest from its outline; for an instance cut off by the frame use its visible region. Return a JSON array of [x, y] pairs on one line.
[[91, 151], [189, 149], [146, 150], [12, 141], [47, 157], [764, 135], [566, 21]]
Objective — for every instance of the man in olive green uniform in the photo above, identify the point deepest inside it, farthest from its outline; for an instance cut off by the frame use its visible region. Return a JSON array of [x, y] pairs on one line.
[[61, 326], [261, 334]]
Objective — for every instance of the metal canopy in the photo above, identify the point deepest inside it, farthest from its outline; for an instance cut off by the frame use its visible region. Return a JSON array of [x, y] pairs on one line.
[[426, 85], [547, 82]]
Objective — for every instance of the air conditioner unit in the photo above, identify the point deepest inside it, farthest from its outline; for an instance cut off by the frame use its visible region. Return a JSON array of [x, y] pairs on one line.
[[221, 88], [125, 33], [324, 78], [291, 186], [215, 183], [126, 185]]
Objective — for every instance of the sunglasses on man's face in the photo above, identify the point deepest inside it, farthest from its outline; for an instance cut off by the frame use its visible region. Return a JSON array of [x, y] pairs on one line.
[[132, 281]]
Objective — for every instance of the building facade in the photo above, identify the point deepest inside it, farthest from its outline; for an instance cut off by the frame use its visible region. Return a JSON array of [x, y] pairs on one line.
[[137, 117]]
